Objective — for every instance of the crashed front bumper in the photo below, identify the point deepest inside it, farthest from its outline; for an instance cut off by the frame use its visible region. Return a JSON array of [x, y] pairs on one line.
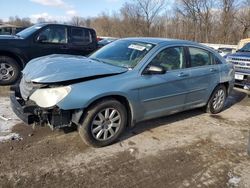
[[30, 113], [25, 113]]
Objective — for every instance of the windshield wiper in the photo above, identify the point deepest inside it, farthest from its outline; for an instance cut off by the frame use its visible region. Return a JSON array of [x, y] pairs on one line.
[[96, 59]]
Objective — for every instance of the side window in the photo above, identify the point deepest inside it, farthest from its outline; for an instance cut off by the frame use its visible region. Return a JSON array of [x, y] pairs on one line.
[[216, 60], [170, 58], [53, 34], [199, 57], [81, 36]]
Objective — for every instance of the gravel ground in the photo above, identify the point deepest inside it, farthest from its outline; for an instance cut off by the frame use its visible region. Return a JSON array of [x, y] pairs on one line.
[[189, 149]]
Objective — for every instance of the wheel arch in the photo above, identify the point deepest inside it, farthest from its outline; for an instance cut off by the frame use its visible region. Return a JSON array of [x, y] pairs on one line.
[[78, 117], [226, 84], [18, 58]]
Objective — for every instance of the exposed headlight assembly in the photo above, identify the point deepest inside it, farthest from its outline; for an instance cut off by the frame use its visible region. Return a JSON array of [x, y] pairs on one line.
[[49, 97]]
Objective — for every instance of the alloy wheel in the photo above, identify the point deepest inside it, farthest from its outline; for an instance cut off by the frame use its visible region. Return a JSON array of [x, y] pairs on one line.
[[6, 71], [218, 100], [106, 124]]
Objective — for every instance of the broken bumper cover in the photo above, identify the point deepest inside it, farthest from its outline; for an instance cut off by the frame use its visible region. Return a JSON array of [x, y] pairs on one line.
[[31, 113], [22, 111]]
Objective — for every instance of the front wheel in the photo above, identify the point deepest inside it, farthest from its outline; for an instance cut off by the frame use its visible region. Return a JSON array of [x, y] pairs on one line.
[[103, 123], [9, 70], [217, 100]]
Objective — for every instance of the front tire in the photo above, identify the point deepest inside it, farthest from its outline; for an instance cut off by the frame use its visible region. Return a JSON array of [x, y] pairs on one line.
[[103, 123], [217, 100], [9, 70]]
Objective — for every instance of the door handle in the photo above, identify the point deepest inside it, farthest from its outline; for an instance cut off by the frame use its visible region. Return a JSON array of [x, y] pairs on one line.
[[182, 74]]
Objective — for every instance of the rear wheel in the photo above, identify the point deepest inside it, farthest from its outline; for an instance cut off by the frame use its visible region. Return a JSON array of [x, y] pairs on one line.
[[9, 70], [103, 123], [217, 100]]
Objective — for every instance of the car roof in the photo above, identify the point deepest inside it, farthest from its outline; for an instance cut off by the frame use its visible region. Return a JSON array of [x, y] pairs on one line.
[[45, 24], [154, 40]]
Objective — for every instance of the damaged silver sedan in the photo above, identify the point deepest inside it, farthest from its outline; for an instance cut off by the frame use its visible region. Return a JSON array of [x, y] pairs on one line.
[[125, 82]]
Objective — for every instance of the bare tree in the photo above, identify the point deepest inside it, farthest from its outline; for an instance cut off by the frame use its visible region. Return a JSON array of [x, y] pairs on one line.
[[132, 19], [150, 9], [211, 21], [41, 20], [197, 15], [77, 21], [22, 22], [228, 8], [244, 18]]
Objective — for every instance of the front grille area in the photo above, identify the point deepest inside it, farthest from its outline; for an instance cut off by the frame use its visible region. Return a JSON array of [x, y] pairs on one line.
[[242, 68], [241, 63], [25, 88], [240, 59]]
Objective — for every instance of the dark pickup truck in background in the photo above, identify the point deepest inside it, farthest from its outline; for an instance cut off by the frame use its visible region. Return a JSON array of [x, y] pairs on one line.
[[40, 40], [241, 61]]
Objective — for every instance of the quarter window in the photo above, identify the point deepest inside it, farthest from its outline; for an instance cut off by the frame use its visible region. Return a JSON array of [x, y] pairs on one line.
[[170, 58], [199, 57], [81, 36], [54, 34]]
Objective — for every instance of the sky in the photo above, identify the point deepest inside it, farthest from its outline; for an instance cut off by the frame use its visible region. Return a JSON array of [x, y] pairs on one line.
[[61, 10]]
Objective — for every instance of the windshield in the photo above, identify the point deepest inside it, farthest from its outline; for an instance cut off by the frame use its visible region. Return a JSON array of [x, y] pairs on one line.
[[123, 53], [27, 32], [246, 48]]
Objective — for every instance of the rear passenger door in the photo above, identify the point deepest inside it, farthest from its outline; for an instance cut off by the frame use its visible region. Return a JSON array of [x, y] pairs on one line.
[[204, 76], [82, 41]]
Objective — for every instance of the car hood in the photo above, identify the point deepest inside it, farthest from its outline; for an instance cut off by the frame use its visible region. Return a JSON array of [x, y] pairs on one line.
[[9, 37], [61, 68], [240, 54]]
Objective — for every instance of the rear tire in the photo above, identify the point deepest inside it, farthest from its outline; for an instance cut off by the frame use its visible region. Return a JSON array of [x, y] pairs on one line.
[[103, 123], [9, 70], [217, 100]]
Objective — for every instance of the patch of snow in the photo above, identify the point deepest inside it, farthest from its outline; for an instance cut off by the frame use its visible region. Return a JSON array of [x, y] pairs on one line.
[[10, 136], [233, 180], [7, 121]]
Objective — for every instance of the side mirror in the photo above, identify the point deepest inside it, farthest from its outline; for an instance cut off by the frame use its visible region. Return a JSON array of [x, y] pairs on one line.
[[42, 38], [154, 70]]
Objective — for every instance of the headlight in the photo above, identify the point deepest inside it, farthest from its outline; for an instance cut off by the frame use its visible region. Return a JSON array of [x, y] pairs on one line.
[[46, 98]]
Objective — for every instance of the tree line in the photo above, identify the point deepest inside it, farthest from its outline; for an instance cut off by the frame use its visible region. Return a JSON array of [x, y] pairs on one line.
[[210, 21]]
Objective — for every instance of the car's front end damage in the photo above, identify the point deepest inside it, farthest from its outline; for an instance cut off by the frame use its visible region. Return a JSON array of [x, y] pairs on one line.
[[46, 82], [36, 104]]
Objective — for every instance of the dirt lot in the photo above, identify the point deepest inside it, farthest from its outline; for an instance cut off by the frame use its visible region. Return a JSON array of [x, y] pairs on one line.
[[189, 149]]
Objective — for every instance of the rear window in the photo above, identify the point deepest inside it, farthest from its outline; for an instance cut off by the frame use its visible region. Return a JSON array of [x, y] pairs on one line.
[[199, 57], [81, 36]]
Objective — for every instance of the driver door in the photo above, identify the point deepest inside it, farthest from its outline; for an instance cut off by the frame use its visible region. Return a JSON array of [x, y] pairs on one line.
[[163, 94], [51, 40]]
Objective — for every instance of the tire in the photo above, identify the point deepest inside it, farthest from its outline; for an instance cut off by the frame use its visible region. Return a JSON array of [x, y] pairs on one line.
[[9, 70], [103, 123], [217, 100]]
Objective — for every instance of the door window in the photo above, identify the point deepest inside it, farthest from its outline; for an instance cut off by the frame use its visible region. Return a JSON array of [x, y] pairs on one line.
[[170, 58], [54, 34], [199, 57], [216, 60], [81, 36]]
